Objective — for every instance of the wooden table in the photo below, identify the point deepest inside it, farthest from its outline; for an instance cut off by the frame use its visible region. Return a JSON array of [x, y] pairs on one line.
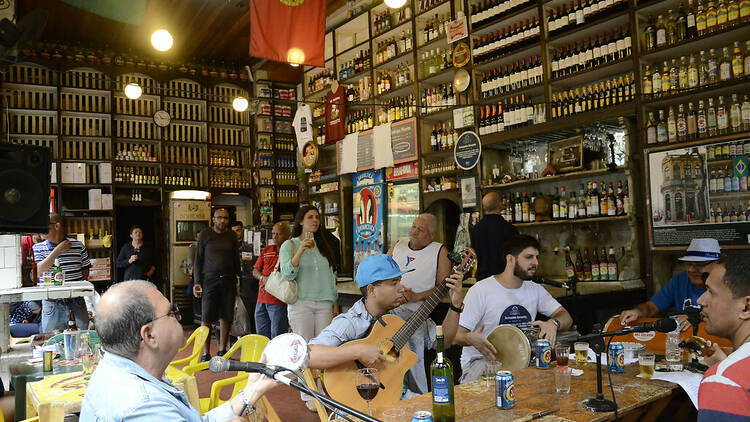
[[535, 392], [71, 388]]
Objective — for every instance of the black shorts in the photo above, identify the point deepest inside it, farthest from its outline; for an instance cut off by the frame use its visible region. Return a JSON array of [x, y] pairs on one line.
[[217, 301]]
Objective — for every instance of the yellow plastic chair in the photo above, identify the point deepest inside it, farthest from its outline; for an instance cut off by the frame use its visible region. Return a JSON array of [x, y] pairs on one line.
[[311, 378], [251, 348], [198, 340]]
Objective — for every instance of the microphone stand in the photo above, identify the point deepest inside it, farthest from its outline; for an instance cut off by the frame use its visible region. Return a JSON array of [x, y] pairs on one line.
[[339, 407], [694, 318], [598, 403]]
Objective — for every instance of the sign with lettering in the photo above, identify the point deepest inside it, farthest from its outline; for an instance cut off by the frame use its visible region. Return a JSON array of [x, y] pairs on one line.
[[404, 140], [467, 150], [456, 30], [365, 153], [402, 171]]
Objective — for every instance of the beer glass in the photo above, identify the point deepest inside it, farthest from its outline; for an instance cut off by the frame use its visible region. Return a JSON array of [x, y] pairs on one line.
[[647, 362], [562, 380], [490, 369], [562, 353], [582, 353]]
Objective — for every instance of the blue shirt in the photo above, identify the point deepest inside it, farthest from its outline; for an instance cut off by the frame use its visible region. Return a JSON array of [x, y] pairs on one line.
[[120, 390], [352, 325], [677, 290]]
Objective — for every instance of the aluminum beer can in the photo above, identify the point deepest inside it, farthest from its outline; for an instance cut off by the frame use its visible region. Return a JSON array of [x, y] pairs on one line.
[[505, 397], [543, 354], [421, 416], [616, 357]]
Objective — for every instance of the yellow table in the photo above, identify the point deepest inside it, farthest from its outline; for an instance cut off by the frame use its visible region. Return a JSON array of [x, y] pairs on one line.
[[71, 387]]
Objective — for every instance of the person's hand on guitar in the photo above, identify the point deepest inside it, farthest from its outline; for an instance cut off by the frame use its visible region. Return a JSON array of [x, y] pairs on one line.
[[456, 291], [477, 339], [626, 317], [369, 355], [682, 321], [717, 355], [547, 330]]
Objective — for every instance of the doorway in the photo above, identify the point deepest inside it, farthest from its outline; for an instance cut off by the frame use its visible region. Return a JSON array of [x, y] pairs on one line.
[[148, 217]]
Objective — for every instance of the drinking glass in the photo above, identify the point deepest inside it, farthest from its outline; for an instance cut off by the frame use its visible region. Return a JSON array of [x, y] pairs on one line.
[[490, 369], [562, 380], [394, 415], [647, 363], [368, 384], [562, 353], [582, 353]]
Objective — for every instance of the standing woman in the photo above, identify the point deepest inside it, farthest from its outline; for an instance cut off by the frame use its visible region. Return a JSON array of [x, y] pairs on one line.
[[308, 258], [136, 258]]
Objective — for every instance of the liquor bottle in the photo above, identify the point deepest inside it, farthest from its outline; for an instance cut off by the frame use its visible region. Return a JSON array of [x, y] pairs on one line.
[[620, 199], [611, 201], [582, 202], [556, 205], [595, 266], [711, 118], [745, 112], [650, 34], [651, 129], [681, 124], [587, 266], [661, 128], [579, 266], [441, 371], [702, 120], [722, 117], [692, 30], [569, 268], [603, 201], [563, 204], [612, 265], [603, 265], [692, 123]]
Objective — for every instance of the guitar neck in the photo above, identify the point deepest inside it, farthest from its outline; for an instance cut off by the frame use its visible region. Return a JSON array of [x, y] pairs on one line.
[[420, 315]]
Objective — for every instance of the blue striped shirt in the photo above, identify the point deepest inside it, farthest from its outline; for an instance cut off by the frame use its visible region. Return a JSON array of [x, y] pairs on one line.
[[72, 261]]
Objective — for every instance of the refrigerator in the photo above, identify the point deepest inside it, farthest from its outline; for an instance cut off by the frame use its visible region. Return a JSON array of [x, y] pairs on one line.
[[402, 200], [368, 204]]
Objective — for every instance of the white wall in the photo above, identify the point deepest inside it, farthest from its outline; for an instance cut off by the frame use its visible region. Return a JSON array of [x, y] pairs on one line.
[[10, 261]]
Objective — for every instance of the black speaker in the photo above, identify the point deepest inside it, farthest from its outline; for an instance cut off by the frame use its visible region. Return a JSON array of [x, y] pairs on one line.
[[24, 188]]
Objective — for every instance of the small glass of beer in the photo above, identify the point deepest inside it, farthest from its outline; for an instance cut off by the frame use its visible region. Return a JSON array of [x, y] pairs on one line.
[[562, 353], [647, 362], [582, 353]]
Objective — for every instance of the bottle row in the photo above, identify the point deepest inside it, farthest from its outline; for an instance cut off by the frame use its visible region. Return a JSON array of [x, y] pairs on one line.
[[396, 109], [434, 28], [527, 72], [136, 175], [355, 66], [438, 184], [358, 121], [132, 152], [437, 167], [285, 177], [229, 179], [738, 213], [485, 11], [708, 69], [692, 22], [437, 98], [393, 79], [590, 53], [728, 150], [509, 114], [364, 248], [225, 158], [386, 20], [331, 207], [319, 81], [613, 91], [725, 180], [489, 46], [680, 124], [280, 162], [183, 177], [320, 137], [561, 19], [435, 61], [136, 195], [359, 92], [393, 46], [425, 5], [592, 267], [443, 137]]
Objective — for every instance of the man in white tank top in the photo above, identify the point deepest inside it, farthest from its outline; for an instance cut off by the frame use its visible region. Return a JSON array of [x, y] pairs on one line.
[[432, 266]]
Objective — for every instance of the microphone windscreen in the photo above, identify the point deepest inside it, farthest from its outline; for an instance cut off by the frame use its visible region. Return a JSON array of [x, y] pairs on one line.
[[217, 364], [665, 325]]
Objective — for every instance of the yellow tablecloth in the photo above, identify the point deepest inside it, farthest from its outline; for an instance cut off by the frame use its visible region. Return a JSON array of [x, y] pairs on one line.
[[71, 387]]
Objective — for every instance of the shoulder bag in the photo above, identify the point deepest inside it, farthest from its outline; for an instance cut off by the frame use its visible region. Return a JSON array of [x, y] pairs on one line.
[[279, 287]]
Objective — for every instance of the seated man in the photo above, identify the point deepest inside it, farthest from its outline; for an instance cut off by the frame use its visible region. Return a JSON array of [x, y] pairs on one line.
[[683, 289], [379, 279], [724, 392], [141, 334], [505, 298], [25, 318]]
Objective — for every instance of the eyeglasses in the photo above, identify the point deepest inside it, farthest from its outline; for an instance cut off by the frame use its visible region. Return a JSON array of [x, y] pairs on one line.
[[174, 311], [698, 265]]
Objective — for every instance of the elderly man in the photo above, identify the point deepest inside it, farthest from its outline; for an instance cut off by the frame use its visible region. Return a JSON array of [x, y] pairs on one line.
[[73, 259], [270, 313], [488, 236], [141, 333], [724, 392], [684, 288], [430, 261]]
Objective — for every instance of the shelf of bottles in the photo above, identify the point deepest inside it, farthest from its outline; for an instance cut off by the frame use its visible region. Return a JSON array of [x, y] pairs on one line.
[[137, 175], [729, 199], [183, 177], [494, 45], [136, 151], [384, 20], [594, 96], [592, 267], [438, 168], [229, 178], [522, 76]]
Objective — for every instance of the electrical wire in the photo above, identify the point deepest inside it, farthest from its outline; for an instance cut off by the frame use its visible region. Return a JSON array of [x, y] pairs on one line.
[[609, 377]]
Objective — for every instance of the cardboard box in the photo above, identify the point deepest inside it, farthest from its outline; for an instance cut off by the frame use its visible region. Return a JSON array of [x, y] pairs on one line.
[[107, 201], [53, 173], [105, 173], [95, 199], [73, 172]]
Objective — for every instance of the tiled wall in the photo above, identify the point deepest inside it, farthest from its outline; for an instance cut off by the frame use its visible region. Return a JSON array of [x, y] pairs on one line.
[[10, 261]]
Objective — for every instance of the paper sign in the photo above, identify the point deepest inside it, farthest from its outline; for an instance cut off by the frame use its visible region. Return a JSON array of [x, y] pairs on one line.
[[457, 29]]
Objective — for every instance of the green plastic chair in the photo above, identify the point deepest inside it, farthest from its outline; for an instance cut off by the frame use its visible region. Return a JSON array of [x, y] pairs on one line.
[[58, 338]]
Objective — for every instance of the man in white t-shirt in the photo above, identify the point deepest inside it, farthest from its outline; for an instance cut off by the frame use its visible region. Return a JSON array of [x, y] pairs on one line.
[[506, 298]]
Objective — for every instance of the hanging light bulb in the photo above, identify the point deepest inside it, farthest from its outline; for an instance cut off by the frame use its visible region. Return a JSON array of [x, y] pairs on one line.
[[240, 104], [395, 4], [161, 40], [295, 56], [133, 91]]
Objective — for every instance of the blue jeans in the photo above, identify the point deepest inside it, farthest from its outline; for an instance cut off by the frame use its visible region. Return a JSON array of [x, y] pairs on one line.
[[55, 314], [270, 320], [24, 329]]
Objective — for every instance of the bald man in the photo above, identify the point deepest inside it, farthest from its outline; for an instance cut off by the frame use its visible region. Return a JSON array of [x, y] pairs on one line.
[[141, 334], [488, 236]]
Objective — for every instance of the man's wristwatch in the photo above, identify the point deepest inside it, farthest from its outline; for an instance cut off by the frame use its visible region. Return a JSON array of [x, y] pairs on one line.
[[246, 407], [556, 322], [457, 310]]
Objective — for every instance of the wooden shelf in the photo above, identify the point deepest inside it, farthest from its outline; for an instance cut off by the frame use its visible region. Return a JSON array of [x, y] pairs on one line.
[[530, 91], [499, 20], [605, 20], [699, 93], [401, 58], [701, 141], [738, 32], [724, 196], [591, 220], [597, 73], [548, 179]]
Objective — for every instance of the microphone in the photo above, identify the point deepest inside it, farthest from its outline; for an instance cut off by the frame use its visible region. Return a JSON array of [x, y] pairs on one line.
[[664, 325], [541, 280], [218, 364]]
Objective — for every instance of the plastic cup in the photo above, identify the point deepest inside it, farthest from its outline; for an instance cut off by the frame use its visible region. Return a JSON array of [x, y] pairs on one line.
[[647, 362], [562, 353], [582, 353], [562, 380], [394, 415]]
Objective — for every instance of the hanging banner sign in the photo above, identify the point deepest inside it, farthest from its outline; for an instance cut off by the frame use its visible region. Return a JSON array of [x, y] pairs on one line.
[[456, 30], [467, 150]]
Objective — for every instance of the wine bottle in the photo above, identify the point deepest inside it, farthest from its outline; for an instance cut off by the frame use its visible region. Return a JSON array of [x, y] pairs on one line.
[[441, 371]]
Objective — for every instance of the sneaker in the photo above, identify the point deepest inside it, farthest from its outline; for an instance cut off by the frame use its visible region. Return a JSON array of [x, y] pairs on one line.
[[206, 357], [311, 406]]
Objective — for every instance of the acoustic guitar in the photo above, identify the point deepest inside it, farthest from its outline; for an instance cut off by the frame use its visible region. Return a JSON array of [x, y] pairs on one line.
[[390, 334], [654, 340]]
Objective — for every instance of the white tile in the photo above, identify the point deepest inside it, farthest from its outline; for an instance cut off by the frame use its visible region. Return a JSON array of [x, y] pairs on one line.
[[7, 240], [9, 278], [2, 257], [11, 258]]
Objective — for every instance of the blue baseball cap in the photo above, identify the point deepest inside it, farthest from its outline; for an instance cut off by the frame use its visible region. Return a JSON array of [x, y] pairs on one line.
[[377, 268]]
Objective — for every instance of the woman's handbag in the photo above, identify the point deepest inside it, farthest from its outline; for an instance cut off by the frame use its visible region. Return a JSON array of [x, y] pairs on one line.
[[283, 289]]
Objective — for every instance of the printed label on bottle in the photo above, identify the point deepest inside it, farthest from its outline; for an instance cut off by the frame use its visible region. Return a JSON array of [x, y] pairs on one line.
[[440, 389]]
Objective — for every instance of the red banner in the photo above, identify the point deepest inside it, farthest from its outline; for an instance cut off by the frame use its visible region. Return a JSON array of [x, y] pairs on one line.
[[288, 31]]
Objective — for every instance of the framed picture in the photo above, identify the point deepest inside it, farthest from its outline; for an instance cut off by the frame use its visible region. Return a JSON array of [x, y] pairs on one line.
[[566, 154], [469, 192], [310, 154]]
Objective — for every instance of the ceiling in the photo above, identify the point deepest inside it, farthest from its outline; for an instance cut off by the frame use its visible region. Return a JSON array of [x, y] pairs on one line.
[[217, 30]]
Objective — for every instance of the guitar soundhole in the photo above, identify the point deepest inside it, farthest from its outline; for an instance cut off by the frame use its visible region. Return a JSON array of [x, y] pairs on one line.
[[391, 354]]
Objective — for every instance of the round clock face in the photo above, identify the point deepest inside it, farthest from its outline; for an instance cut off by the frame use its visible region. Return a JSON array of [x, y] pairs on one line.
[[162, 118]]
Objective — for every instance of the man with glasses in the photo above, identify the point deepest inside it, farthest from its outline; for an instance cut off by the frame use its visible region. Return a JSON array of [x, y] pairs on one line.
[[683, 289], [141, 334], [215, 271]]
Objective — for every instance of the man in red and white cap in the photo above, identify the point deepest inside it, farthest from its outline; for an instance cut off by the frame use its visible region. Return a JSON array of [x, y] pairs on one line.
[[683, 289]]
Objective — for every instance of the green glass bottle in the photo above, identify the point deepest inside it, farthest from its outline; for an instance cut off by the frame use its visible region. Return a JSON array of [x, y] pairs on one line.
[[441, 371]]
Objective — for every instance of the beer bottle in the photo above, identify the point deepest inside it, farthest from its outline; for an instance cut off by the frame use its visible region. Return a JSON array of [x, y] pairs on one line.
[[569, 268], [587, 267], [595, 267], [603, 266], [579, 266], [441, 371], [72, 326], [613, 276]]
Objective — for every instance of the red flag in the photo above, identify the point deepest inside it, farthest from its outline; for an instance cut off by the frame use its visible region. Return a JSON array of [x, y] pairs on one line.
[[288, 30]]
